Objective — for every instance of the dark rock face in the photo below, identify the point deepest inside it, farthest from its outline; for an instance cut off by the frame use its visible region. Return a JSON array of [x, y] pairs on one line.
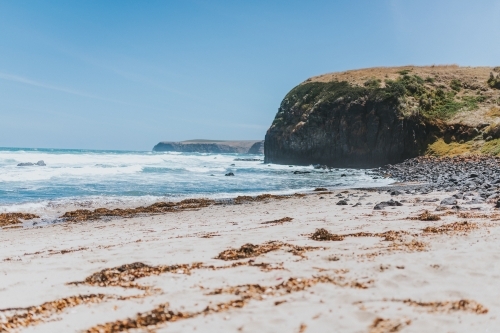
[[360, 133], [257, 148], [341, 125]]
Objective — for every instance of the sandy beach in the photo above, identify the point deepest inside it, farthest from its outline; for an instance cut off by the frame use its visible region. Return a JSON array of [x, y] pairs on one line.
[[398, 269]]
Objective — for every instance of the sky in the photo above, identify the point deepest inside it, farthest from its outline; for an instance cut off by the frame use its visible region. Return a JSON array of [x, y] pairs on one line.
[[128, 74]]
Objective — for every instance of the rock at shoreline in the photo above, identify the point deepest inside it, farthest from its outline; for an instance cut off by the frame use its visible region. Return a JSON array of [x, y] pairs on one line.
[[229, 174], [248, 159], [39, 163], [448, 201], [389, 203]]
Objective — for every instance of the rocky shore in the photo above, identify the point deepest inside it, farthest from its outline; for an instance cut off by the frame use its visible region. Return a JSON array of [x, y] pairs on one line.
[[461, 174]]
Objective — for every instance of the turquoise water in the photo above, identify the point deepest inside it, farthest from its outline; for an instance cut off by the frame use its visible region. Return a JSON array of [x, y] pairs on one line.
[[102, 176]]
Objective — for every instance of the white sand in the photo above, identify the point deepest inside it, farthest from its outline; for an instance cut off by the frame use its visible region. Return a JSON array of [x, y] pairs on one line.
[[453, 267]]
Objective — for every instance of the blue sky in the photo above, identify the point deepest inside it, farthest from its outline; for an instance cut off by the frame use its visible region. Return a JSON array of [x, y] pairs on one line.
[[127, 74]]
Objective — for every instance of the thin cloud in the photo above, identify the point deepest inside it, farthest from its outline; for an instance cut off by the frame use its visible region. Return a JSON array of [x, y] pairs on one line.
[[24, 80]]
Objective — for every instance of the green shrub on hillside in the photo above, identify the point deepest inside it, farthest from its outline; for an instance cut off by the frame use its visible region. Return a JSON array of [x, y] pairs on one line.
[[456, 85], [373, 83], [433, 102], [494, 82]]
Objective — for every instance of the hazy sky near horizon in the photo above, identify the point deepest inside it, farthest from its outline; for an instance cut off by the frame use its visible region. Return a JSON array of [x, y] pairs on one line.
[[127, 74]]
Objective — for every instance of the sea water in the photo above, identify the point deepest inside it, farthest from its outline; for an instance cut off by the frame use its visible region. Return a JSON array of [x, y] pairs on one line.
[[97, 178]]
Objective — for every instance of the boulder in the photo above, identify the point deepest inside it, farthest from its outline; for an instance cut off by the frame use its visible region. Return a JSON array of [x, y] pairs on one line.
[[449, 201]]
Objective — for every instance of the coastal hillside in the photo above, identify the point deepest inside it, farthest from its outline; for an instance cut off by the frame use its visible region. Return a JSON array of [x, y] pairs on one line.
[[376, 116], [212, 146]]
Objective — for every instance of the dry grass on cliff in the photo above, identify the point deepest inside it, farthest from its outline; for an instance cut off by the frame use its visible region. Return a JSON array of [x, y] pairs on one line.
[[468, 83]]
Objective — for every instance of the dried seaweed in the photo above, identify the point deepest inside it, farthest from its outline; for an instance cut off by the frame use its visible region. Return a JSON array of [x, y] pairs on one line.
[[156, 208], [448, 306], [162, 314], [250, 250], [159, 315], [7, 219], [412, 245], [381, 325], [280, 221], [125, 275], [426, 216], [258, 292], [33, 315], [263, 197], [324, 235], [455, 227]]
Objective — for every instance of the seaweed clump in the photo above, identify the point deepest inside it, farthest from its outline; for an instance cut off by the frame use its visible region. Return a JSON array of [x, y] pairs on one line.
[[426, 216], [250, 250], [156, 208], [455, 227], [15, 218], [324, 235]]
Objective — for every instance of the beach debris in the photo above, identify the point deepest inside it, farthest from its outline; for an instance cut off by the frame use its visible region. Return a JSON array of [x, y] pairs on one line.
[[342, 203], [163, 314], [324, 235], [389, 203], [160, 314], [455, 227], [280, 221], [448, 306], [320, 189], [156, 208], [125, 275], [263, 197], [23, 317], [258, 292], [413, 245], [250, 250], [7, 219], [426, 216], [381, 325]]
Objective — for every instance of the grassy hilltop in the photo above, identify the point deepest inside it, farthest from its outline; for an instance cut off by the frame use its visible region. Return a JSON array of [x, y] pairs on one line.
[[460, 106]]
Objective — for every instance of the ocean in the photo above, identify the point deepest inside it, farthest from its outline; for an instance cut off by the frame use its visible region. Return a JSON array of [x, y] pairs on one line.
[[98, 178]]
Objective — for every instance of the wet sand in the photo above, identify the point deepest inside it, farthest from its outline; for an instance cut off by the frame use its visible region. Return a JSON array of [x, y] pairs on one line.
[[301, 264]]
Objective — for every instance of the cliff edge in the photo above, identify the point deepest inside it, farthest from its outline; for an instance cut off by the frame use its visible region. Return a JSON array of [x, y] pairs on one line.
[[212, 146], [377, 116]]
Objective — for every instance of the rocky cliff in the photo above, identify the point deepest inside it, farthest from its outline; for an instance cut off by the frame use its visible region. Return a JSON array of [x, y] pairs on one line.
[[212, 146], [377, 116]]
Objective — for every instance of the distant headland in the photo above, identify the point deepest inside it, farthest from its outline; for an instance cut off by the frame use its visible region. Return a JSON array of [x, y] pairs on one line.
[[212, 146]]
